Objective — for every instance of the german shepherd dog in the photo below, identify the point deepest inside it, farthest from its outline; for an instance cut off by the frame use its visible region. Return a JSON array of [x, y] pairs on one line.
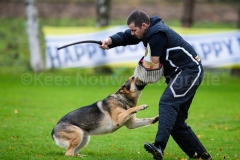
[[73, 130]]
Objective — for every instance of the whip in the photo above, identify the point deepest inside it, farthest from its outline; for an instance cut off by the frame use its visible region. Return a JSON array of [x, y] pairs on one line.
[[87, 41]]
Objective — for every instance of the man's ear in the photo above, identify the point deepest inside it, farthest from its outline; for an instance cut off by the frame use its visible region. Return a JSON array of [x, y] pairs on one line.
[[144, 25]]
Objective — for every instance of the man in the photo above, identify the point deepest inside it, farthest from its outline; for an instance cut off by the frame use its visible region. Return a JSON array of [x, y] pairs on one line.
[[183, 72]]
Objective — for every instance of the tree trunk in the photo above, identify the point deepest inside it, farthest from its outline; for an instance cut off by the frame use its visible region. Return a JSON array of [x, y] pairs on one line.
[[103, 12], [235, 72], [238, 22], [187, 16], [103, 15], [36, 61]]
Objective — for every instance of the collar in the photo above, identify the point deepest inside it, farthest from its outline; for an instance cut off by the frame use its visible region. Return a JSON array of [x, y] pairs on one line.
[[125, 103]]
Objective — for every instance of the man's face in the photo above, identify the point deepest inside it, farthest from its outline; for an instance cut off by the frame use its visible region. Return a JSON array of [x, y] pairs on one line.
[[139, 32]]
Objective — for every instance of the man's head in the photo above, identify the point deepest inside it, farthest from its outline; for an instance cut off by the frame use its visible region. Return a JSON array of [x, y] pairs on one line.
[[138, 22]]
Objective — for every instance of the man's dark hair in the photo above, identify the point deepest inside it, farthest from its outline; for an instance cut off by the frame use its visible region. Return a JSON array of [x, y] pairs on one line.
[[138, 18]]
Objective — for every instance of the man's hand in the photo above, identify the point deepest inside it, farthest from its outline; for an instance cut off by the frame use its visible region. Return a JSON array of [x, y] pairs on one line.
[[105, 43]]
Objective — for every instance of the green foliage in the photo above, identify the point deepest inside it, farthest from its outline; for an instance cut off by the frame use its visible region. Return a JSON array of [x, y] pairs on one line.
[[13, 46], [32, 103]]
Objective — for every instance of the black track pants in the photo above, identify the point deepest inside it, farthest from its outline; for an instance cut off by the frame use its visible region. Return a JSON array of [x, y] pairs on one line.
[[173, 111]]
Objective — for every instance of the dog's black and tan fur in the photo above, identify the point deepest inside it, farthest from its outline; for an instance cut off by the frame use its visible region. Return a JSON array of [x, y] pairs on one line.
[[106, 116]]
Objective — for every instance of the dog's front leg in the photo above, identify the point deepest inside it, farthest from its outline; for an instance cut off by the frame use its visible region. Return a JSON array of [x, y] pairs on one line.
[[134, 122], [127, 114]]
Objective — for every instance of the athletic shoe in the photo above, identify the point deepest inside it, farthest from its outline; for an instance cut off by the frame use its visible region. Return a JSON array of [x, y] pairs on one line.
[[154, 150]]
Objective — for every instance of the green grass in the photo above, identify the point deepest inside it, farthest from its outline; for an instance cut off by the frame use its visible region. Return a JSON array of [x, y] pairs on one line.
[[32, 103]]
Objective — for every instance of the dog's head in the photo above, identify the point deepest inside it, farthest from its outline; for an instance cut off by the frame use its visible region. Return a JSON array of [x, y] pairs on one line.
[[131, 86], [131, 91]]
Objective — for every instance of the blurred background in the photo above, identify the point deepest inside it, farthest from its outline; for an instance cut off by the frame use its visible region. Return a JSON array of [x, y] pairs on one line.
[[15, 53]]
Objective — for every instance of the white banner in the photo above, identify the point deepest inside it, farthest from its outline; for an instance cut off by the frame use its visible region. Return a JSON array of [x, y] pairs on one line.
[[214, 50]]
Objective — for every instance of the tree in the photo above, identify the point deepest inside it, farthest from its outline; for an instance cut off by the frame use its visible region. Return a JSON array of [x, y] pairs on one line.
[[103, 16], [238, 22], [103, 12], [235, 70], [36, 61], [187, 16]]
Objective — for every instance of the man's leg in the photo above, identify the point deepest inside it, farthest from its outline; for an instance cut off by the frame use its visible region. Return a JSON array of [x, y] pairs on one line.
[[168, 112], [180, 90], [185, 137], [188, 141]]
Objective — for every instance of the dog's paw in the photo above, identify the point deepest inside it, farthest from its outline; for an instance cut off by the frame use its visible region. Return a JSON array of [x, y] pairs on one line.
[[144, 106], [155, 119]]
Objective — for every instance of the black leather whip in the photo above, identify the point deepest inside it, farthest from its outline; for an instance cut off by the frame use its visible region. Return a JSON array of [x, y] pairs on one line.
[[87, 41]]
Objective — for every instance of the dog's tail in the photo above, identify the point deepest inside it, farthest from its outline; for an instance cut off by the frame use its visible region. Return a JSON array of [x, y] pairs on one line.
[[56, 137], [52, 133], [63, 133]]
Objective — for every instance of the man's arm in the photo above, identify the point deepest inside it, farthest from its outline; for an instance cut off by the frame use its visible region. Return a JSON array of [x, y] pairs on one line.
[[157, 44], [119, 39]]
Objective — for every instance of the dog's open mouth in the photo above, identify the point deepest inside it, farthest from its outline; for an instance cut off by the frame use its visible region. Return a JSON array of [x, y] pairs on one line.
[[140, 86]]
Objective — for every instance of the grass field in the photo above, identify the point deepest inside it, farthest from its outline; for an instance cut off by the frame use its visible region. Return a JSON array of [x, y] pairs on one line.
[[31, 104]]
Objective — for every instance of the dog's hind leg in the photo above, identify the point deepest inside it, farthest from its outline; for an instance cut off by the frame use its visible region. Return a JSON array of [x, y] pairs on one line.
[[68, 136], [74, 137], [84, 142]]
